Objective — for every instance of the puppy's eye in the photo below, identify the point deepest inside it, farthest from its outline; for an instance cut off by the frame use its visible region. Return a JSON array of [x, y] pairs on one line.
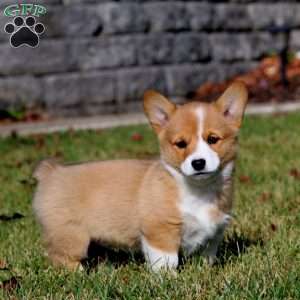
[[181, 144], [212, 139]]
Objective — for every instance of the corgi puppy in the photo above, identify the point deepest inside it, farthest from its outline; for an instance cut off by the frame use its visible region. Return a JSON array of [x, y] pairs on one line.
[[181, 201]]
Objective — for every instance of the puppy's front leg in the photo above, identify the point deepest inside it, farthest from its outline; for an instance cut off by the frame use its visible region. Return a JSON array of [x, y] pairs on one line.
[[210, 253], [157, 258]]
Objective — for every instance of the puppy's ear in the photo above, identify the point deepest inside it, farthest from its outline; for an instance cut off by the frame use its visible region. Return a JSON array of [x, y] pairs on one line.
[[232, 103], [158, 109]]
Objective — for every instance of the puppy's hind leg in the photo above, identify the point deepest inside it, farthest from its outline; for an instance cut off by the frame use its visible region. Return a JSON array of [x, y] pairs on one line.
[[68, 246]]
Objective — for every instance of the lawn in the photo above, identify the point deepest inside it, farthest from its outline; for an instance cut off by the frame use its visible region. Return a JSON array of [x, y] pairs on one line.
[[259, 259]]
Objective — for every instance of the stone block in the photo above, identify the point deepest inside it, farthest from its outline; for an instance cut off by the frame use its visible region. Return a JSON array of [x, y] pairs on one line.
[[155, 49], [79, 89], [191, 47], [5, 3], [243, 46], [72, 21], [105, 52], [238, 68], [50, 56], [232, 17], [295, 40], [269, 15], [168, 48], [167, 16], [230, 47], [3, 35], [20, 91], [183, 79], [200, 15], [122, 17], [132, 83]]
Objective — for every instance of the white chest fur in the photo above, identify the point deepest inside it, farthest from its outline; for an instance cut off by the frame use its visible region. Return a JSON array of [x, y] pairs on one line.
[[203, 221]]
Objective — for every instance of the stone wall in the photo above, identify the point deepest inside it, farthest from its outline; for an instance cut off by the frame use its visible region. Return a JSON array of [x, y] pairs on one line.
[[100, 56]]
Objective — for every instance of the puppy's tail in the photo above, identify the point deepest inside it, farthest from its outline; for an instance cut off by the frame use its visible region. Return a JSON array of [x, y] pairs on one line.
[[45, 168]]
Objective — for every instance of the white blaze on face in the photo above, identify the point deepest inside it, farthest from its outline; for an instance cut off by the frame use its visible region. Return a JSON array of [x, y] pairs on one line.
[[202, 151]]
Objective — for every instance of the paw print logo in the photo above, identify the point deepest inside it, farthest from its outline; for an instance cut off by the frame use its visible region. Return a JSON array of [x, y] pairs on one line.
[[24, 32]]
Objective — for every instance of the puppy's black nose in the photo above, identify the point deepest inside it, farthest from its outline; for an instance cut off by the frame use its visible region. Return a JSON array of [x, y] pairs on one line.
[[198, 164]]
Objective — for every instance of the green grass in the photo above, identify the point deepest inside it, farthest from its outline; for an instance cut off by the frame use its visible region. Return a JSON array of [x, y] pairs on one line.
[[259, 259]]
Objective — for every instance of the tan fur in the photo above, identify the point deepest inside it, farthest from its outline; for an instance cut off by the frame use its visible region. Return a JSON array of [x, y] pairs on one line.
[[160, 219], [44, 168], [117, 202], [111, 201], [216, 124]]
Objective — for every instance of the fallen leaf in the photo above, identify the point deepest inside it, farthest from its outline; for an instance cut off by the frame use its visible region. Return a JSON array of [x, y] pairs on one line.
[[39, 141], [58, 154], [125, 279], [14, 134], [273, 227], [33, 116], [136, 137], [18, 163], [245, 179], [263, 82], [264, 197], [295, 173], [3, 264], [10, 284]]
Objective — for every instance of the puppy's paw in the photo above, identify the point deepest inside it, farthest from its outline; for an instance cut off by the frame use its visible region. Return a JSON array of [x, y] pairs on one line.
[[211, 259], [226, 219]]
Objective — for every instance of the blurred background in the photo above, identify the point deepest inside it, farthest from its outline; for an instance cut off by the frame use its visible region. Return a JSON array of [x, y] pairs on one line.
[[98, 57]]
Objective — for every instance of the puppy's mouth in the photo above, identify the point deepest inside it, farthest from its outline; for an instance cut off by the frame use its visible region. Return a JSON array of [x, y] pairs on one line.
[[203, 173], [201, 178]]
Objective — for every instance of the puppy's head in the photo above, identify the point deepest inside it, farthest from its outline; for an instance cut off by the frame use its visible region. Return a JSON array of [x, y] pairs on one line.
[[198, 139]]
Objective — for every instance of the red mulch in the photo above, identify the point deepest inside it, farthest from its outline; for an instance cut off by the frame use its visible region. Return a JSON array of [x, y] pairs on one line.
[[27, 116], [264, 83]]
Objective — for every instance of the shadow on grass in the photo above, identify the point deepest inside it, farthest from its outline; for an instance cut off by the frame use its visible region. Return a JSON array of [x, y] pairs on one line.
[[230, 249], [98, 254], [15, 216], [235, 246]]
